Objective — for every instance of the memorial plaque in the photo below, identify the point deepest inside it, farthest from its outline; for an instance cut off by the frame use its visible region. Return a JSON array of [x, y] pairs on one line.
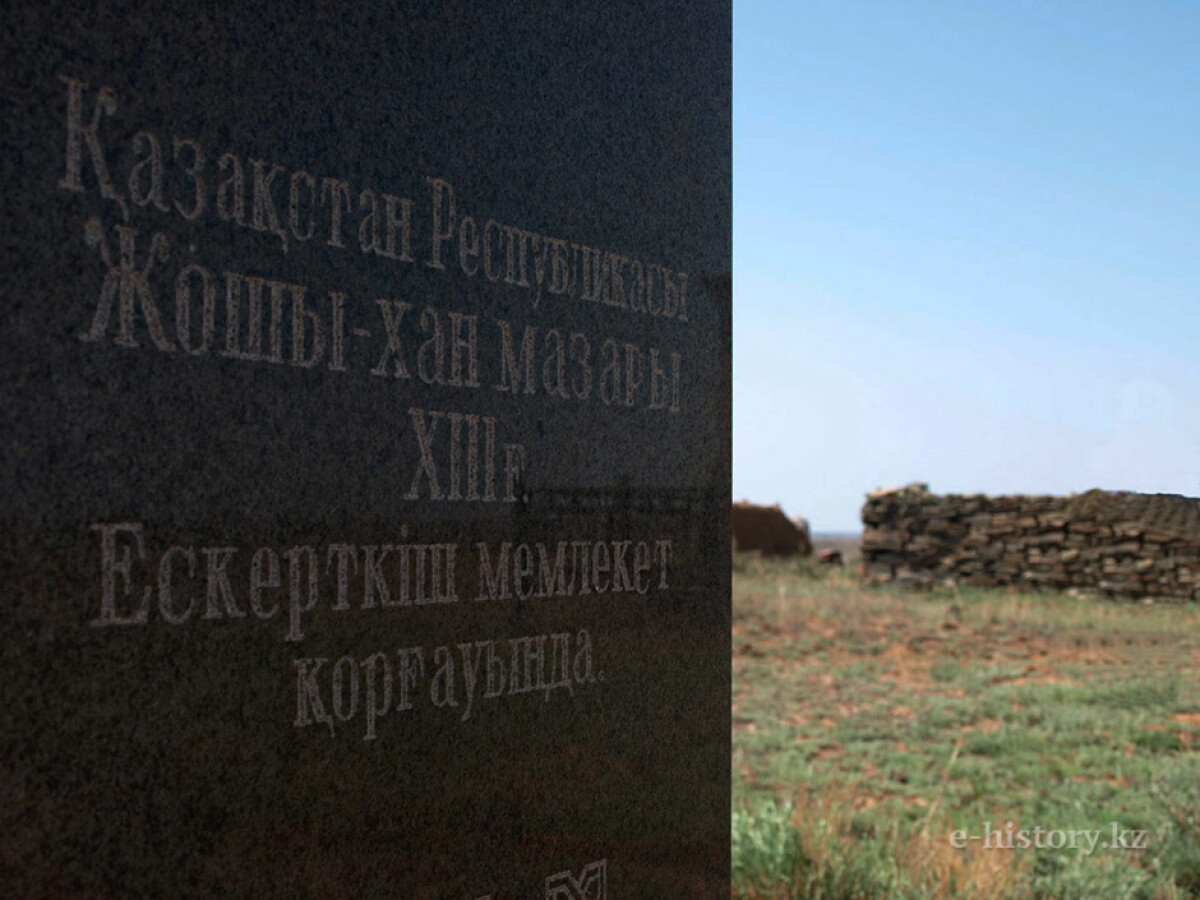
[[366, 450]]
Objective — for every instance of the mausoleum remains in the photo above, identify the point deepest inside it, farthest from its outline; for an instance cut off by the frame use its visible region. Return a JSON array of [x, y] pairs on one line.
[[1106, 543]]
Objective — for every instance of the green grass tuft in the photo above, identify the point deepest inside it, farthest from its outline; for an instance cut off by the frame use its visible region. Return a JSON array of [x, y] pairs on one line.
[[870, 724]]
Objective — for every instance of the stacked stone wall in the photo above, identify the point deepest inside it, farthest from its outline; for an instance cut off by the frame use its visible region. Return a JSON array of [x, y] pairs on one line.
[[1106, 543]]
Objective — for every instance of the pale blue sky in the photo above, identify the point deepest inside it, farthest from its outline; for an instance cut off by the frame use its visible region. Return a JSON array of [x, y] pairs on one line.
[[966, 249]]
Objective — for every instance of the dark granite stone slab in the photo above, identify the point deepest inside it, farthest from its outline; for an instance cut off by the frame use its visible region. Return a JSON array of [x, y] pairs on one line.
[[365, 416]]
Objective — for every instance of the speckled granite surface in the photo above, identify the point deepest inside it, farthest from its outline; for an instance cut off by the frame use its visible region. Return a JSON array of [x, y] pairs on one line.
[[365, 415]]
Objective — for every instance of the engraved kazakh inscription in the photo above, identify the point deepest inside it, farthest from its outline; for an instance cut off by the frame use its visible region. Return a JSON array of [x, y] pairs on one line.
[[501, 253], [366, 438], [459, 457]]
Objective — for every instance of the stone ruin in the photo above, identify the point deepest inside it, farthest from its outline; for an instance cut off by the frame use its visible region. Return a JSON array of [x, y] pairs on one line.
[[1099, 543], [767, 530]]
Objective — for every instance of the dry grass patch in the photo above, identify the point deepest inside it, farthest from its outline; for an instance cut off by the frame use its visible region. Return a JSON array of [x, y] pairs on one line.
[[1054, 711]]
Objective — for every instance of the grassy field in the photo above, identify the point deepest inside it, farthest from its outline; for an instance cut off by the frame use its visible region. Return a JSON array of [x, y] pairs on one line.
[[870, 725]]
